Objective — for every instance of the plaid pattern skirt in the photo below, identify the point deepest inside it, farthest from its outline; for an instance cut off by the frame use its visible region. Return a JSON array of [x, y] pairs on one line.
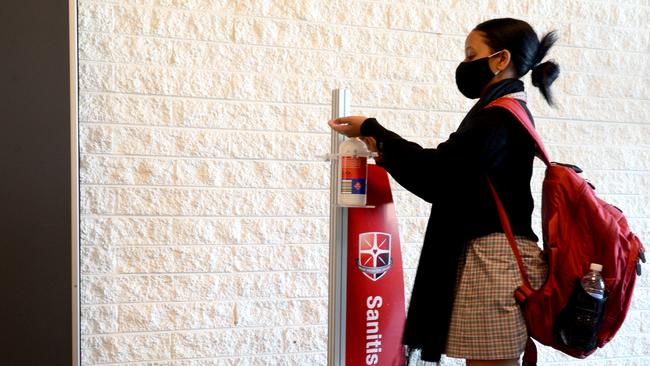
[[486, 321]]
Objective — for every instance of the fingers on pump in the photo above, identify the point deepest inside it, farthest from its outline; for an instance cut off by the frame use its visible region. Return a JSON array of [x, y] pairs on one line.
[[340, 123]]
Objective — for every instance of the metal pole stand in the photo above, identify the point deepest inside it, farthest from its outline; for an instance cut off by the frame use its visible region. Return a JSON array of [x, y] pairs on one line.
[[338, 245]]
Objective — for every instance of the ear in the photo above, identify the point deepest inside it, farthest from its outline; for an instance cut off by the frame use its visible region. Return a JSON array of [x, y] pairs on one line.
[[501, 61]]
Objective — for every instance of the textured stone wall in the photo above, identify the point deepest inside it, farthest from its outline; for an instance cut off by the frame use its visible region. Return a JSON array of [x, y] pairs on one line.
[[204, 201]]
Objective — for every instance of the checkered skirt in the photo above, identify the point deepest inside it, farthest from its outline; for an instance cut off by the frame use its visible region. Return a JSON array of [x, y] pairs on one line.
[[486, 321]]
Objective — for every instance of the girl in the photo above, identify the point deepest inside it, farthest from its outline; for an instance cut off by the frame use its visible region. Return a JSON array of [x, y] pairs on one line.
[[462, 303]]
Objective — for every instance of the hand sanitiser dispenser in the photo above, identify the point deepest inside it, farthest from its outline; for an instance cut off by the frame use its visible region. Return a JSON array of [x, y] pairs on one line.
[[366, 313]]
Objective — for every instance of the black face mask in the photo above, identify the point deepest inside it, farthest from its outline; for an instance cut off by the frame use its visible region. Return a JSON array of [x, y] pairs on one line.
[[473, 76]]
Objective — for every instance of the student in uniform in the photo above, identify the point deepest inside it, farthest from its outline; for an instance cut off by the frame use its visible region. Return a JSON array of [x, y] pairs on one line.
[[462, 303]]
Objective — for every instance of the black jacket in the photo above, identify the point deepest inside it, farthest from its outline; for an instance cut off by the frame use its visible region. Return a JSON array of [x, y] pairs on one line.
[[453, 177]]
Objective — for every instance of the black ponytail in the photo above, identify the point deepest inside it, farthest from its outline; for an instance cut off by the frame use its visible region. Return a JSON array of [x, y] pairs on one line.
[[544, 74], [526, 50]]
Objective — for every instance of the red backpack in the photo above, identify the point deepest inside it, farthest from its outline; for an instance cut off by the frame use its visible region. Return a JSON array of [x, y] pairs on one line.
[[578, 229]]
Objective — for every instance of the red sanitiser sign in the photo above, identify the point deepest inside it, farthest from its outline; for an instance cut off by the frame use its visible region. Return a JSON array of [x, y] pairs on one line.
[[375, 311]]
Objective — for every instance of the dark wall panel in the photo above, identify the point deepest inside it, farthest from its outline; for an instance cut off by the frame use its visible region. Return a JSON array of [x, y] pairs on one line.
[[35, 208]]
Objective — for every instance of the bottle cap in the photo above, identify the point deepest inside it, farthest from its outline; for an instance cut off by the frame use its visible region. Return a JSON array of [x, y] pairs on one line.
[[596, 267]]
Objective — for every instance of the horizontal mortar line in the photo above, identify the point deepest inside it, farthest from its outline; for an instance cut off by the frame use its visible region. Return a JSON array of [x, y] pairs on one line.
[[131, 93], [213, 99], [600, 147], [288, 218], [242, 300], [591, 48], [202, 10], [599, 97], [251, 73], [257, 355], [463, 35], [406, 137], [561, 41], [322, 161], [188, 157], [118, 246], [551, 145], [433, 112], [538, 118], [588, 48], [536, 193], [221, 100], [206, 330], [349, 52], [500, 14], [570, 362], [578, 120], [246, 217], [203, 245], [207, 129], [400, 82], [536, 215], [254, 45], [352, 106], [316, 160], [596, 147], [184, 274], [279, 75], [232, 272], [209, 358], [339, 54], [202, 67], [229, 328], [600, 170], [615, 2], [206, 188], [285, 20], [250, 217], [203, 216], [386, 28], [599, 75]]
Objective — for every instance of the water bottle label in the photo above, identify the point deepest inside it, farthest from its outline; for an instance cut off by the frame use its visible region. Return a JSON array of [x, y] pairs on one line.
[[353, 175]]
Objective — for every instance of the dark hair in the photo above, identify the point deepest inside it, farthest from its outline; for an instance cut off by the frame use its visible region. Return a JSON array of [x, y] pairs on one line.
[[526, 50]]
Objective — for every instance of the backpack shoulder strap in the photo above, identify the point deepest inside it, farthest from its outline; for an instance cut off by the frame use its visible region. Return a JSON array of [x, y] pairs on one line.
[[507, 230], [522, 293], [513, 106]]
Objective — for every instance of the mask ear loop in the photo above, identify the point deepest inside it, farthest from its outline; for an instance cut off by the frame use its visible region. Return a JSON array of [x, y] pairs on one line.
[[496, 53]]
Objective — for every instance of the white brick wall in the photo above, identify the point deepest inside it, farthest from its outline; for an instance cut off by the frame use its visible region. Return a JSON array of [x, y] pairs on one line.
[[205, 205]]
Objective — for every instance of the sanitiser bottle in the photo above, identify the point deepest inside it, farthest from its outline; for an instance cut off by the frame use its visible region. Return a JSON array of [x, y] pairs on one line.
[[353, 172]]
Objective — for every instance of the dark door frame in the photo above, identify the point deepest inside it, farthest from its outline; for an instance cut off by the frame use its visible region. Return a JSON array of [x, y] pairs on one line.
[[39, 183]]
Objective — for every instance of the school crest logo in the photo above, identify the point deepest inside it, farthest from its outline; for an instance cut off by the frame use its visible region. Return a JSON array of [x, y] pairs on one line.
[[374, 254]]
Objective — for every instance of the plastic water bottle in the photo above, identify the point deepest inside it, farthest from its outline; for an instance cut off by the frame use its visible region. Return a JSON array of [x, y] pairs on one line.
[[593, 283], [353, 172], [579, 323]]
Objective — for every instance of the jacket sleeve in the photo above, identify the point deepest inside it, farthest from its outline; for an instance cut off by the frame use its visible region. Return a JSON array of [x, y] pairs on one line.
[[433, 173]]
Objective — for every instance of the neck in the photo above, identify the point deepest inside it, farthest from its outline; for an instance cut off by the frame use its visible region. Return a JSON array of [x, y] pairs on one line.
[[506, 74]]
